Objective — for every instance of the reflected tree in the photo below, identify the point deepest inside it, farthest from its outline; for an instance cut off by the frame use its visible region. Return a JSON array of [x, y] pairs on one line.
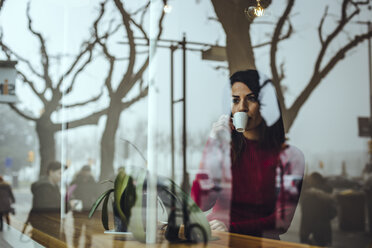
[[118, 84], [50, 89], [131, 74], [240, 50]]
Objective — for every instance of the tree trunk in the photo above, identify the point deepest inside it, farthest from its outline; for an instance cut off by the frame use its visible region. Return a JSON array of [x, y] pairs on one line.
[[237, 27], [108, 140], [47, 146]]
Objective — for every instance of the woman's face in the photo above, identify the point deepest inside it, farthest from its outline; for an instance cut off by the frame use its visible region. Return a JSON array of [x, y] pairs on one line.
[[243, 100]]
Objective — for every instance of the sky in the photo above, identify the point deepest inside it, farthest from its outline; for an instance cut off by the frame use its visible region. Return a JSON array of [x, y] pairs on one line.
[[326, 127]]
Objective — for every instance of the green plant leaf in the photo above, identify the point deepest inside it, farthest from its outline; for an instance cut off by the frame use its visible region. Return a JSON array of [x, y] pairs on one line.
[[121, 183], [104, 215], [128, 198], [99, 200]]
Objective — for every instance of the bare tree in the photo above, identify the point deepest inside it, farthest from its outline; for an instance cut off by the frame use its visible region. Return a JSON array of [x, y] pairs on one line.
[[53, 88], [240, 49], [132, 75]]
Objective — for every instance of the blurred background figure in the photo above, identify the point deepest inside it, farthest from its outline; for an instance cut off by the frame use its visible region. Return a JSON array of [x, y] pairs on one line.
[[82, 193], [46, 204], [318, 209], [6, 199]]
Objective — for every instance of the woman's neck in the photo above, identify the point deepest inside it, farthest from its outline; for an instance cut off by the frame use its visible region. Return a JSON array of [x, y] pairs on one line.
[[252, 134]]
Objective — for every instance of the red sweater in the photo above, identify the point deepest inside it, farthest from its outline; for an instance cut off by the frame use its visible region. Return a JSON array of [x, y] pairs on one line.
[[253, 190], [253, 203]]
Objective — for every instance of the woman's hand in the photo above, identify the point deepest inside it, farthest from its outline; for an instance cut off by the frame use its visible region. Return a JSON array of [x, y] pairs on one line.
[[218, 225], [221, 130]]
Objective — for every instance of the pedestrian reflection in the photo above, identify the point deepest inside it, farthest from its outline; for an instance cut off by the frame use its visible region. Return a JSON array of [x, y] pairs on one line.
[[6, 199], [83, 192], [318, 209], [46, 204], [252, 178]]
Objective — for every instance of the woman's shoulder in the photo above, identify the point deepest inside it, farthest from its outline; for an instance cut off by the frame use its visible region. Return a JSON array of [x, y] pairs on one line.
[[4, 184]]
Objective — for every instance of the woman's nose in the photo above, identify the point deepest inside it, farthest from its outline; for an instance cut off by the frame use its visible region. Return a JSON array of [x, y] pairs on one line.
[[243, 107]]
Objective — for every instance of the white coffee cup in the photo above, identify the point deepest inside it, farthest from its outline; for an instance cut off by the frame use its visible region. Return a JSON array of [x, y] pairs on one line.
[[240, 120]]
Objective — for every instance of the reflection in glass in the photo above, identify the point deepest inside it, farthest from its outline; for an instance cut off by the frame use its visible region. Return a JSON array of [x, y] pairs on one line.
[[252, 180]]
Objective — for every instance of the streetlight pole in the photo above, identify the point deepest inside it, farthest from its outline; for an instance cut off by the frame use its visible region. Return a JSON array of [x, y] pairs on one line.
[[172, 49], [369, 28], [185, 183]]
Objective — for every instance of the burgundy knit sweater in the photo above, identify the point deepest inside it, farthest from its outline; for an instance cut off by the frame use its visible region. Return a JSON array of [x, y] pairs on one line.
[[255, 202]]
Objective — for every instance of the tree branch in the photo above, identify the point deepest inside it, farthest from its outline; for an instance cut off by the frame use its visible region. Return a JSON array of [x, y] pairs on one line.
[[88, 49], [284, 37], [93, 99], [273, 51], [132, 47], [141, 29], [282, 74], [76, 74], [19, 112], [320, 27], [8, 52], [32, 86], [91, 119], [89, 45], [44, 54], [143, 93], [317, 77], [124, 88], [141, 9], [111, 60], [345, 19], [341, 53]]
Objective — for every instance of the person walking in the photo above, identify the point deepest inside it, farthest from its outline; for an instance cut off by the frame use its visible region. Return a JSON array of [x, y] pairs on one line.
[[6, 199], [84, 192], [46, 204], [318, 208]]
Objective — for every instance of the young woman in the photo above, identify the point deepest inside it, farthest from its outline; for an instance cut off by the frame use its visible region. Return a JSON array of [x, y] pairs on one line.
[[248, 172]]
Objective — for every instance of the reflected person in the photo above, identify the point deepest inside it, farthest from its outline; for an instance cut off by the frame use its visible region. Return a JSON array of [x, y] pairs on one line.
[[84, 192], [318, 208], [46, 203], [6, 199], [247, 168]]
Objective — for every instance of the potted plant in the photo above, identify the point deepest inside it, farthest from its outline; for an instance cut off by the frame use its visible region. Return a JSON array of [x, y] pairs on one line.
[[124, 199], [128, 208]]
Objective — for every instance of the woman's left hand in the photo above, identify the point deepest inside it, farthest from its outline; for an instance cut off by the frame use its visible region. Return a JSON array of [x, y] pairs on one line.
[[218, 225]]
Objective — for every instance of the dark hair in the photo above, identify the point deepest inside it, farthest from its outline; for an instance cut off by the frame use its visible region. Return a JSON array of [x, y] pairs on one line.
[[53, 166], [271, 138]]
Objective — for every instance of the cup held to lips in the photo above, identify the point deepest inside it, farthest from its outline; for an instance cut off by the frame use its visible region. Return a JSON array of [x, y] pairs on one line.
[[240, 120]]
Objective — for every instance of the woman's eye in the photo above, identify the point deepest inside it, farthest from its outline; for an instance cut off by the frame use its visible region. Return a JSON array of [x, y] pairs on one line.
[[235, 100], [252, 99]]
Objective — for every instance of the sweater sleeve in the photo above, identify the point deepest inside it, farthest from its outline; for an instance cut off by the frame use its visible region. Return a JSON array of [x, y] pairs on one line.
[[214, 173], [206, 184]]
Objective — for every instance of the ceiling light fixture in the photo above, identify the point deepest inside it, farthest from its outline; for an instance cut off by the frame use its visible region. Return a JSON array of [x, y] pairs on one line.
[[255, 11]]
